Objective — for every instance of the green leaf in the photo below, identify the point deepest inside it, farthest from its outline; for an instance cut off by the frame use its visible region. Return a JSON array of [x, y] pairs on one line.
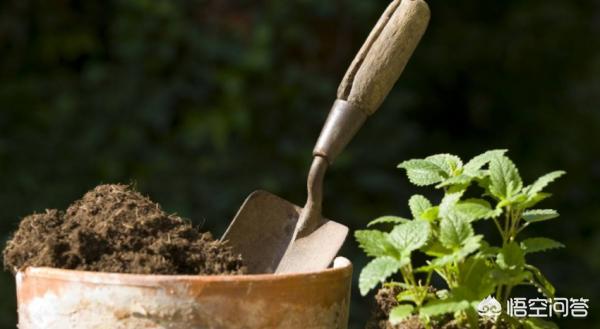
[[374, 243], [540, 281], [488, 251], [532, 200], [475, 274], [505, 179], [439, 307], [388, 220], [532, 245], [377, 271], [510, 277], [470, 245], [392, 284], [473, 166], [454, 230], [535, 323], [472, 315], [430, 214], [538, 215], [410, 236], [451, 164], [475, 209], [461, 179], [435, 248], [406, 296], [418, 204], [400, 313], [518, 198], [511, 257], [422, 172], [450, 199], [543, 181]]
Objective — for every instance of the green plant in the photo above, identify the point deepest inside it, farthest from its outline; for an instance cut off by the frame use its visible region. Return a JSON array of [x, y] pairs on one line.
[[469, 265]]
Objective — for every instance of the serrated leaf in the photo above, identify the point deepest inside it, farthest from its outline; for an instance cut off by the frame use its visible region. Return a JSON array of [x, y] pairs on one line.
[[448, 162], [413, 294], [377, 271], [439, 262], [410, 236], [439, 307], [470, 245], [510, 277], [543, 181], [532, 245], [518, 198], [475, 209], [511, 257], [388, 220], [406, 296], [423, 178], [477, 162], [454, 230], [505, 180], [430, 214], [475, 275], [488, 251], [400, 313], [461, 179], [540, 281], [420, 164], [535, 323], [374, 243], [538, 215], [422, 172], [449, 200], [418, 204], [532, 200], [434, 248]]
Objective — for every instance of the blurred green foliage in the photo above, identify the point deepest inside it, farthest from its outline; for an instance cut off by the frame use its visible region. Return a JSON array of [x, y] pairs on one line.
[[200, 102]]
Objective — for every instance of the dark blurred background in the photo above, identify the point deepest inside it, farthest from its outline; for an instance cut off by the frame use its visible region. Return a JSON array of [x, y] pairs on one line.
[[200, 102]]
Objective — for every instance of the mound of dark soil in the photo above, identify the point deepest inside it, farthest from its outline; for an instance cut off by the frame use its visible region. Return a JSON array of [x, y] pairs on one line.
[[113, 228], [385, 301]]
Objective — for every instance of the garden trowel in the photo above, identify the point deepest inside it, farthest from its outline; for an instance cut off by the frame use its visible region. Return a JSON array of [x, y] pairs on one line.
[[276, 236]]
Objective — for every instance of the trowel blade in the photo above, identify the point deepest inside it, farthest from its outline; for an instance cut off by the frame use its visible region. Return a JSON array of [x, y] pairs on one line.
[[262, 232]]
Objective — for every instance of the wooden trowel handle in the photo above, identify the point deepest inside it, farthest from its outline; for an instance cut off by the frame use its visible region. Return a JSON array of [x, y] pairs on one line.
[[383, 56], [372, 74], [367, 82]]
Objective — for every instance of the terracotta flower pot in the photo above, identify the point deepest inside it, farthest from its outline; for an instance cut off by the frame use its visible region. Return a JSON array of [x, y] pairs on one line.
[[50, 298]]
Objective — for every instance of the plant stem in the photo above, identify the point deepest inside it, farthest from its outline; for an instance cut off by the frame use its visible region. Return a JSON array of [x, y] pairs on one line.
[[498, 226], [507, 225], [499, 292], [507, 294]]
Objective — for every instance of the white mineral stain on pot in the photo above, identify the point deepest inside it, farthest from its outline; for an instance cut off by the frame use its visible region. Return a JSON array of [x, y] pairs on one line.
[[64, 299]]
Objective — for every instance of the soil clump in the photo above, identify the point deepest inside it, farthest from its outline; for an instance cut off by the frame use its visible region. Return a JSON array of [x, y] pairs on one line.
[[114, 228]]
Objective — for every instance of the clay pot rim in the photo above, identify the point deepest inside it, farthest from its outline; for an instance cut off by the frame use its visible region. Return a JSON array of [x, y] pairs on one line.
[[341, 267]]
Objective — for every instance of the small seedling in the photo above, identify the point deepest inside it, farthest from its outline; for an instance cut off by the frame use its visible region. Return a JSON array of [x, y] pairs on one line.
[[471, 267]]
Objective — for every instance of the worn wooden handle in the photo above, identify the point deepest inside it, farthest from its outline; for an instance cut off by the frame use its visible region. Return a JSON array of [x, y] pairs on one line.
[[383, 56]]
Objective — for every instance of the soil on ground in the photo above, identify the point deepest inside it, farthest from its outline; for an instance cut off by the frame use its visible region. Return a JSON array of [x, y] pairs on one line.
[[385, 301], [114, 228]]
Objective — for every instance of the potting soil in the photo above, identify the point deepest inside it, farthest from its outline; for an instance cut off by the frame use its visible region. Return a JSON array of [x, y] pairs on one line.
[[114, 228]]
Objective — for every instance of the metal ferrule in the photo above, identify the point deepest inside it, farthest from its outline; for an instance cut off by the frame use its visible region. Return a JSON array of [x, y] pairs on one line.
[[344, 120]]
